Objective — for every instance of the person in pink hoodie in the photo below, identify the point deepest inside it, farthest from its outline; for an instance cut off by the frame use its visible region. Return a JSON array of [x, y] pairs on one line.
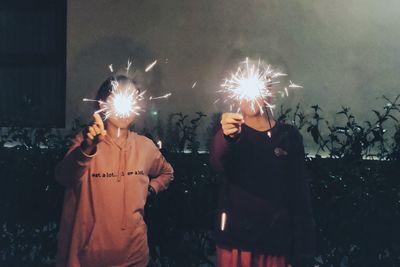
[[108, 173]]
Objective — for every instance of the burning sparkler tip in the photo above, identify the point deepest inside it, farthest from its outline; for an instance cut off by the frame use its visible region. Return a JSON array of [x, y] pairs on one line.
[[253, 81]]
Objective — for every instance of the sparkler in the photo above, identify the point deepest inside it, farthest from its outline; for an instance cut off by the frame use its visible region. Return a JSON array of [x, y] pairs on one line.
[[123, 102], [125, 99], [255, 83]]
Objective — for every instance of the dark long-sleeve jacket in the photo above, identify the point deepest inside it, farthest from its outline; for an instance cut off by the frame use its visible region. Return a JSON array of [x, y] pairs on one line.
[[264, 203]]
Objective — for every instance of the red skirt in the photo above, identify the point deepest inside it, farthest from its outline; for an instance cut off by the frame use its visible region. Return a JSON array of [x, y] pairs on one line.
[[239, 258]]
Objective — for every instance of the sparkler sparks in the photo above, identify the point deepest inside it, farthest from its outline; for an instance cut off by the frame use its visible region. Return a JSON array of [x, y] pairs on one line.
[[123, 101], [149, 67], [223, 221], [293, 85], [255, 83], [128, 66], [160, 97]]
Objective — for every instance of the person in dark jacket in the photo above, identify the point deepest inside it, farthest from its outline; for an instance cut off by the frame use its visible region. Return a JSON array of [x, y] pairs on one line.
[[264, 213]]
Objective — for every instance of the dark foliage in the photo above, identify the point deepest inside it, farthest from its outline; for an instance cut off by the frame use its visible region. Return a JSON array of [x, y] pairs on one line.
[[355, 192]]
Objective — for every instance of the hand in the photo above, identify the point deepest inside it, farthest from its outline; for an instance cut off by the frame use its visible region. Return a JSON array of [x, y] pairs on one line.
[[93, 135], [151, 191], [231, 124]]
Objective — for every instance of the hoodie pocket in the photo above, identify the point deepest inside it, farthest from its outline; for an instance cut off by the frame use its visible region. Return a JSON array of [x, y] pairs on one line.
[[108, 245], [87, 254]]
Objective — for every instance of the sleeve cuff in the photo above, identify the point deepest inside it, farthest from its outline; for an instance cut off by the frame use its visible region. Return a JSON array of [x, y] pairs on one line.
[[87, 155], [83, 157], [156, 185], [229, 139]]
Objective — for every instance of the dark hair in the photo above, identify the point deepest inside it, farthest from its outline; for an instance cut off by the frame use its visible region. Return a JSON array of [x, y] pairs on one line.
[[106, 87]]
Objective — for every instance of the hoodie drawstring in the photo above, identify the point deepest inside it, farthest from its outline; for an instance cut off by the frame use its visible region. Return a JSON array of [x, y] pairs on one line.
[[125, 204]]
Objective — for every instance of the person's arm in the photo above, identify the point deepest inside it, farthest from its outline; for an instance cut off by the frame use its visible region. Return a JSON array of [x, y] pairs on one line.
[[161, 173], [76, 162], [220, 147], [303, 219], [223, 140]]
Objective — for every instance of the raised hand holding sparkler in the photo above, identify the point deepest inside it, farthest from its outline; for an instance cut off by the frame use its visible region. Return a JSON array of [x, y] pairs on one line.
[[231, 124], [93, 135]]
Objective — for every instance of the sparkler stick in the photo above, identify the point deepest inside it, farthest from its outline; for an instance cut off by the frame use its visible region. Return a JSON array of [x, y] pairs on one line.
[[269, 86]]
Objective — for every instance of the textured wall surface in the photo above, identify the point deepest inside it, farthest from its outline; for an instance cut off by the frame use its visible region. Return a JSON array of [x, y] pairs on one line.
[[342, 52]]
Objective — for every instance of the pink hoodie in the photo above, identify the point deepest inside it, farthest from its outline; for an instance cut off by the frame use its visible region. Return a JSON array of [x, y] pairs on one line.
[[102, 219]]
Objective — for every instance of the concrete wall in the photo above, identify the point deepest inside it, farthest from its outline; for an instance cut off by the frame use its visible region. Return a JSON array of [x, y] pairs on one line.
[[344, 52]]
